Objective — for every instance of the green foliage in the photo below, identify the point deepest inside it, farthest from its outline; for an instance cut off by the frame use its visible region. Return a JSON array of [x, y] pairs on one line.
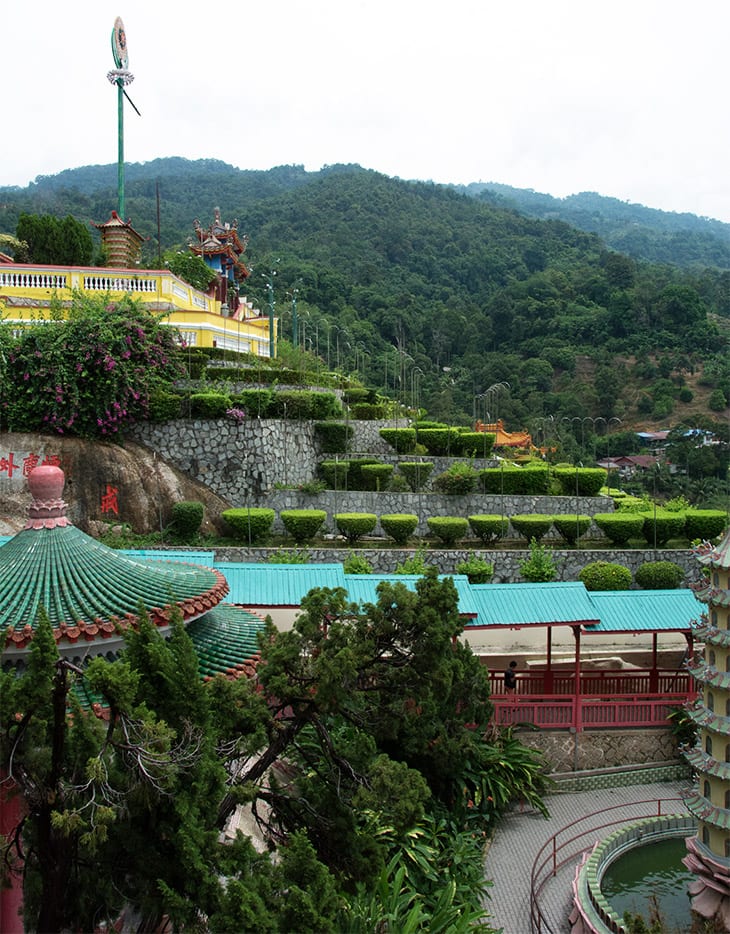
[[704, 524], [305, 404], [477, 443], [256, 403], [376, 476], [440, 442], [164, 406], [659, 575], [683, 728], [477, 569], [248, 525], [416, 473], [368, 411], [353, 525], [488, 528], [187, 518], [55, 242], [449, 529], [303, 524], [571, 528], [356, 564], [333, 437], [540, 567], [605, 575], [459, 480], [415, 564], [717, 401], [533, 526], [660, 526], [519, 481], [619, 527], [399, 526], [91, 375], [289, 556], [191, 268], [209, 404], [580, 481], [335, 474], [355, 478], [402, 440]]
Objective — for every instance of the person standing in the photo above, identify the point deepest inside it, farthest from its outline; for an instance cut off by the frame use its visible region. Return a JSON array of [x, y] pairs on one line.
[[510, 678]]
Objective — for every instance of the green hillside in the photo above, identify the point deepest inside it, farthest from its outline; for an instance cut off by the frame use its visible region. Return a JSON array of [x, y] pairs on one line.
[[435, 295]]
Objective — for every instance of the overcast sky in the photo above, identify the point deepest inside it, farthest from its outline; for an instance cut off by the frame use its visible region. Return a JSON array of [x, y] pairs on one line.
[[627, 98]]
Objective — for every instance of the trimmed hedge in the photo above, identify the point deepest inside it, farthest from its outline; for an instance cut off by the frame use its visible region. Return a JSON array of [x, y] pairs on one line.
[[704, 524], [605, 575], [416, 473], [399, 526], [488, 527], [520, 481], [450, 529], [302, 524], [571, 528], [402, 440], [334, 474], [353, 525], [252, 526], [529, 526], [661, 525], [476, 569], [333, 437], [659, 575], [209, 404], [477, 443], [305, 404], [164, 406], [355, 478], [439, 442], [580, 481], [187, 517], [376, 476], [255, 402], [619, 527], [368, 411]]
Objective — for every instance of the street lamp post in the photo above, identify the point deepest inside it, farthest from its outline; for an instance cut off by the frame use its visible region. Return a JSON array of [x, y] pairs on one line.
[[269, 277]]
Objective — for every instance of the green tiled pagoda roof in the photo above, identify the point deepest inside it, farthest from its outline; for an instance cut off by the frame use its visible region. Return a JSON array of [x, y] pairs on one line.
[[703, 762], [708, 812], [707, 593], [708, 719], [717, 556], [226, 641], [87, 589]]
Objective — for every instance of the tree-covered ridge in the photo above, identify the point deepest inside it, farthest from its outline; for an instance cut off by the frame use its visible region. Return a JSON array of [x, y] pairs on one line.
[[436, 296]]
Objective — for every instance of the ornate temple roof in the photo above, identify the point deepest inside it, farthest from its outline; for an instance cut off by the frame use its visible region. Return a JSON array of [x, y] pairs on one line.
[[716, 556], [89, 591], [221, 239]]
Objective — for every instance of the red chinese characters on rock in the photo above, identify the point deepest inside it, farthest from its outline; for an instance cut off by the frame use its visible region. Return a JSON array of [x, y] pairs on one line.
[[109, 500], [8, 464]]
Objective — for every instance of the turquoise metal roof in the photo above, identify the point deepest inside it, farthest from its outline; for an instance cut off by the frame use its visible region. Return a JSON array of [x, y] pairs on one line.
[[643, 610], [362, 588], [204, 558], [532, 604], [4, 539], [277, 585]]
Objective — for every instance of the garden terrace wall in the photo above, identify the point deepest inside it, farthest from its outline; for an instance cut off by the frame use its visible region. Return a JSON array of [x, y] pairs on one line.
[[506, 563]]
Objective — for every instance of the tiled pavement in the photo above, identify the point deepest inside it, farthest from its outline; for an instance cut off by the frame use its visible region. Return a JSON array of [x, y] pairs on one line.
[[520, 835]]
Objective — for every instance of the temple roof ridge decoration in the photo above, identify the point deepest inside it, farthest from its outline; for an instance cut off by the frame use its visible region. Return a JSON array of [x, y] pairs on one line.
[[716, 556]]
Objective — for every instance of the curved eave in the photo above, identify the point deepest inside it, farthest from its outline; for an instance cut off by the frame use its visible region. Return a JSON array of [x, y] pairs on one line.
[[717, 556], [708, 674], [707, 719], [706, 811], [705, 763], [90, 591], [711, 635], [226, 641], [706, 593]]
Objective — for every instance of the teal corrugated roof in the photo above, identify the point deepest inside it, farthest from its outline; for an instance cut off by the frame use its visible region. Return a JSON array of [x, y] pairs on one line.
[[362, 587], [203, 558], [532, 604], [275, 585], [4, 539], [644, 610]]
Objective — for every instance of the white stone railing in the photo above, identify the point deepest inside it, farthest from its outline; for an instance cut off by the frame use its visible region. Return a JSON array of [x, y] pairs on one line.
[[10, 279], [102, 283]]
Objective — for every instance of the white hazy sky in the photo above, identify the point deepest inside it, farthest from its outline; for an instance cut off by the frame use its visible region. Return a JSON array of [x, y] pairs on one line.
[[625, 97]]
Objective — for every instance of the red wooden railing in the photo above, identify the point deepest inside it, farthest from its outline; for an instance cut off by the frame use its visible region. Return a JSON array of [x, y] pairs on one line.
[[551, 711], [611, 681]]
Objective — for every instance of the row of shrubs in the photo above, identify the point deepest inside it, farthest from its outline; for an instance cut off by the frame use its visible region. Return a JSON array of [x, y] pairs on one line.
[[369, 473], [256, 403], [254, 525]]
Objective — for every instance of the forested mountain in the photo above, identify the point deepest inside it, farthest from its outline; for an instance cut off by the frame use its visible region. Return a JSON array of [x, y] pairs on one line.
[[641, 232], [436, 294]]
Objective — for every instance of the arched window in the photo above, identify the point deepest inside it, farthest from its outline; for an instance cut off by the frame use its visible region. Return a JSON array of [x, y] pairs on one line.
[[727, 847], [706, 790], [713, 617], [727, 752], [710, 700], [711, 657], [708, 745], [715, 579], [705, 836], [727, 799]]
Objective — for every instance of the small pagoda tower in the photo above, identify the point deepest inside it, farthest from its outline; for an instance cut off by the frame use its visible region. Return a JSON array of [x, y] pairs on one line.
[[222, 248], [122, 242], [709, 801]]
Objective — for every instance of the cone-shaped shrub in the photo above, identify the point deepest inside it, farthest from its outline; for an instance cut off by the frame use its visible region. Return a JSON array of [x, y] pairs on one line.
[[399, 526], [604, 575], [187, 517], [450, 529], [580, 481], [571, 528], [659, 575], [535, 525], [376, 476], [334, 474], [303, 524], [704, 524], [402, 440], [353, 525], [252, 526], [619, 527], [477, 443], [488, 527], [660, 526]]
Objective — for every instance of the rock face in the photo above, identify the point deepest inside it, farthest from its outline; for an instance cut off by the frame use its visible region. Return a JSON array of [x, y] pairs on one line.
[[105, 484]]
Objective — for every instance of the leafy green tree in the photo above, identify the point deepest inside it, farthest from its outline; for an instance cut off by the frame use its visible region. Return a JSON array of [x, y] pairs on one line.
[[190, 267], [56, 242]]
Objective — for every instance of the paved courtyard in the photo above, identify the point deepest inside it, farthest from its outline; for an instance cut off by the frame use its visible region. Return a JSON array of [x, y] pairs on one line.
[[520, 835]]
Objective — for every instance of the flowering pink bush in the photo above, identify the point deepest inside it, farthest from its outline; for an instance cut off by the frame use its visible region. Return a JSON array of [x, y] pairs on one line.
[[89, 375], [236, 414]]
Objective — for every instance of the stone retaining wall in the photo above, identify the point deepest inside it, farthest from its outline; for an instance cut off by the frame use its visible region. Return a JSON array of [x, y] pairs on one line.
[[601, 749]]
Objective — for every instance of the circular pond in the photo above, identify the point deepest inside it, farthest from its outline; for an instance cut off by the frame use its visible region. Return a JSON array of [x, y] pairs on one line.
[[652, 870]]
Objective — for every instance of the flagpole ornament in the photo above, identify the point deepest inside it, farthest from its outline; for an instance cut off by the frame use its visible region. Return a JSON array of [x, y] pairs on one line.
[[120, 76]]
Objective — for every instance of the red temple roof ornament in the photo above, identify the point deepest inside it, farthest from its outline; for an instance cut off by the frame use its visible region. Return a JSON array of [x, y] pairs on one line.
[[716, 556], [221, 240]]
